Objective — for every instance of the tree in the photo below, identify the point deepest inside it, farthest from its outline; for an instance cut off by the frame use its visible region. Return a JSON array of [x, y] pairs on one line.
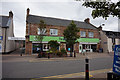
[[104, 9], [53, 45], [41, 33], [70, 35]]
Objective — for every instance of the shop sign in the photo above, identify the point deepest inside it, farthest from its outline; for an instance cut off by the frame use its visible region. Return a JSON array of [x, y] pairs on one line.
[[0, 47], [116, 62], [1, 37]]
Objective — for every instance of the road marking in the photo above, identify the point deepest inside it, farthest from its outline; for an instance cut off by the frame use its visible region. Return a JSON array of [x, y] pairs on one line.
[[81, 74]]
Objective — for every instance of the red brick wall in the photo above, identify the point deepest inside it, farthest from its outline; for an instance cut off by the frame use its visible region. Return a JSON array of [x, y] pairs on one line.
[[32, 30]]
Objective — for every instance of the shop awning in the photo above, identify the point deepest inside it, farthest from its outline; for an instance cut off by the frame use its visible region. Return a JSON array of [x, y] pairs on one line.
[[47, 38], [88, 40], [61, 39]]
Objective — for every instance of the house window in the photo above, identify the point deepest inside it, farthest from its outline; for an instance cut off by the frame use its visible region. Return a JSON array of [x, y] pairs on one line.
[[91, 34], [83, 34], [43, 31], [53, 32]]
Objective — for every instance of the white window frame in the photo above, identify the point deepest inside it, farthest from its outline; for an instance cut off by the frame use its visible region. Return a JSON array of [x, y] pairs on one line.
[[53, 31], [38, 31], [82, 33], [91, 34]]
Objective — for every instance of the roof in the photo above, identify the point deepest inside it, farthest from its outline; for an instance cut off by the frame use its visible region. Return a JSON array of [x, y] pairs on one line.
[[58, 22], [112, 34], [4, 21]]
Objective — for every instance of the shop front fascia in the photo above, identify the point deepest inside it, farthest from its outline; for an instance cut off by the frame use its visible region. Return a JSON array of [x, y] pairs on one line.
[[88, 44], [35, 42]]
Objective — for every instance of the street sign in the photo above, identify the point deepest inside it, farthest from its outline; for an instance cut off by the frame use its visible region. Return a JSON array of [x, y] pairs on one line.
[[0, 48], [1, 37], [116, 63]]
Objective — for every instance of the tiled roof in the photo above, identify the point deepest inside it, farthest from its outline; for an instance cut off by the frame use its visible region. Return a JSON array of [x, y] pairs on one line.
[[58, 22], [112, 34], [4, 21]]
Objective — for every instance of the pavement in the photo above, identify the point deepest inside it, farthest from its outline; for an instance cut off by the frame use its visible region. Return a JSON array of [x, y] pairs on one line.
[[15, 57]]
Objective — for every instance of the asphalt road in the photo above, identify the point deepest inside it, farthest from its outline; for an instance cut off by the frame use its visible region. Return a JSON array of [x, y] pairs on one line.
[[51, 68]]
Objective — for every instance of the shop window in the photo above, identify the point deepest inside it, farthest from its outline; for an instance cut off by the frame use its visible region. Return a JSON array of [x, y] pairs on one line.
[[45, 47], [53, 32], [42, 31], [91, 34], [82, 33]]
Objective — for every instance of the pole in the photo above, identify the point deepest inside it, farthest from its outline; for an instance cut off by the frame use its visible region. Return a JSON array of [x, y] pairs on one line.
[[48, 55], [87, 69], [74, 54], [109, 76]]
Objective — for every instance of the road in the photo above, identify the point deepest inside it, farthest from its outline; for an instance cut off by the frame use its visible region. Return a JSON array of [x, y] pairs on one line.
[[40, 69]]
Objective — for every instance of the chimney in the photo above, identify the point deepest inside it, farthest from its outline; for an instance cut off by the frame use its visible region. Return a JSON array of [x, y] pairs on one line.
[[28, 11], [100, 28], [87, 20], [11, 14]]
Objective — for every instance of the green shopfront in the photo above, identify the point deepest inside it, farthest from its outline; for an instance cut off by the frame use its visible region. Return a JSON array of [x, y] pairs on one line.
[[85, 44]]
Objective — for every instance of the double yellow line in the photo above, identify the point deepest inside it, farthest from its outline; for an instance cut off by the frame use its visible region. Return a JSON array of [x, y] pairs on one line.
[[78, 75]]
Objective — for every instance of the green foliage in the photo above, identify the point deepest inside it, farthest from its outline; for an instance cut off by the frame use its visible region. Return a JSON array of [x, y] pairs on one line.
[[42, 28], [104, 9], [70, 34], [54, 45], [63, 51]]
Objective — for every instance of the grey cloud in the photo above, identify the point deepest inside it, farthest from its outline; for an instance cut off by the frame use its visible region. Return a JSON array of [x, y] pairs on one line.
[[66, 10]]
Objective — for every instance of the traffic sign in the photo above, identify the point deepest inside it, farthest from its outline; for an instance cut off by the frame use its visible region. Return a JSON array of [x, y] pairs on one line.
[[116, 62], [1, 37]]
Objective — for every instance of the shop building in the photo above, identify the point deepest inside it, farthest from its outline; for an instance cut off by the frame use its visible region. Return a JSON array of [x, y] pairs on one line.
[[88, 41]]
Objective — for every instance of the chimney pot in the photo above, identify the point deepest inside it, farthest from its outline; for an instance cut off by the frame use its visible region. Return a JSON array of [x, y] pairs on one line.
[[28, 11], [100, 28], [11, 14], [87, 20]]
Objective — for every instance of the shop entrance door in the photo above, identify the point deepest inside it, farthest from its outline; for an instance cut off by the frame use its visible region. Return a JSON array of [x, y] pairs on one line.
[[36, 48]]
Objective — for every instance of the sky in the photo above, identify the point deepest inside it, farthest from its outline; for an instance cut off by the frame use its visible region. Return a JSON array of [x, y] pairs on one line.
[[64, 9]]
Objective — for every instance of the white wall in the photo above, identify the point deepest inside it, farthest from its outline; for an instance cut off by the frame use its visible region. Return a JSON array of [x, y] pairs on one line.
[[104, 43], [10, 44], [110, 45]]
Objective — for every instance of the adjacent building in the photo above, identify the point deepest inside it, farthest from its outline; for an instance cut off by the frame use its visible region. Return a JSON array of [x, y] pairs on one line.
[[108, 40], [88, 41], [6, 30]]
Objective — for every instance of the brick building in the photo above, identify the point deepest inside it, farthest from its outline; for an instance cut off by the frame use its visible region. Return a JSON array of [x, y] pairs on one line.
[[88, 41]]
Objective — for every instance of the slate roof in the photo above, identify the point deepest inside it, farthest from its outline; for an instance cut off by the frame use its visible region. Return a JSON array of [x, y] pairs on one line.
[[4, 21], [58, 22], [112, 34]]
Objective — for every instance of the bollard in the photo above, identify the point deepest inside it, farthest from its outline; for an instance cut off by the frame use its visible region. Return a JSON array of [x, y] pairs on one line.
[[74, 54], [20, 54], [109, 76], [48, 55], [87, 69]]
